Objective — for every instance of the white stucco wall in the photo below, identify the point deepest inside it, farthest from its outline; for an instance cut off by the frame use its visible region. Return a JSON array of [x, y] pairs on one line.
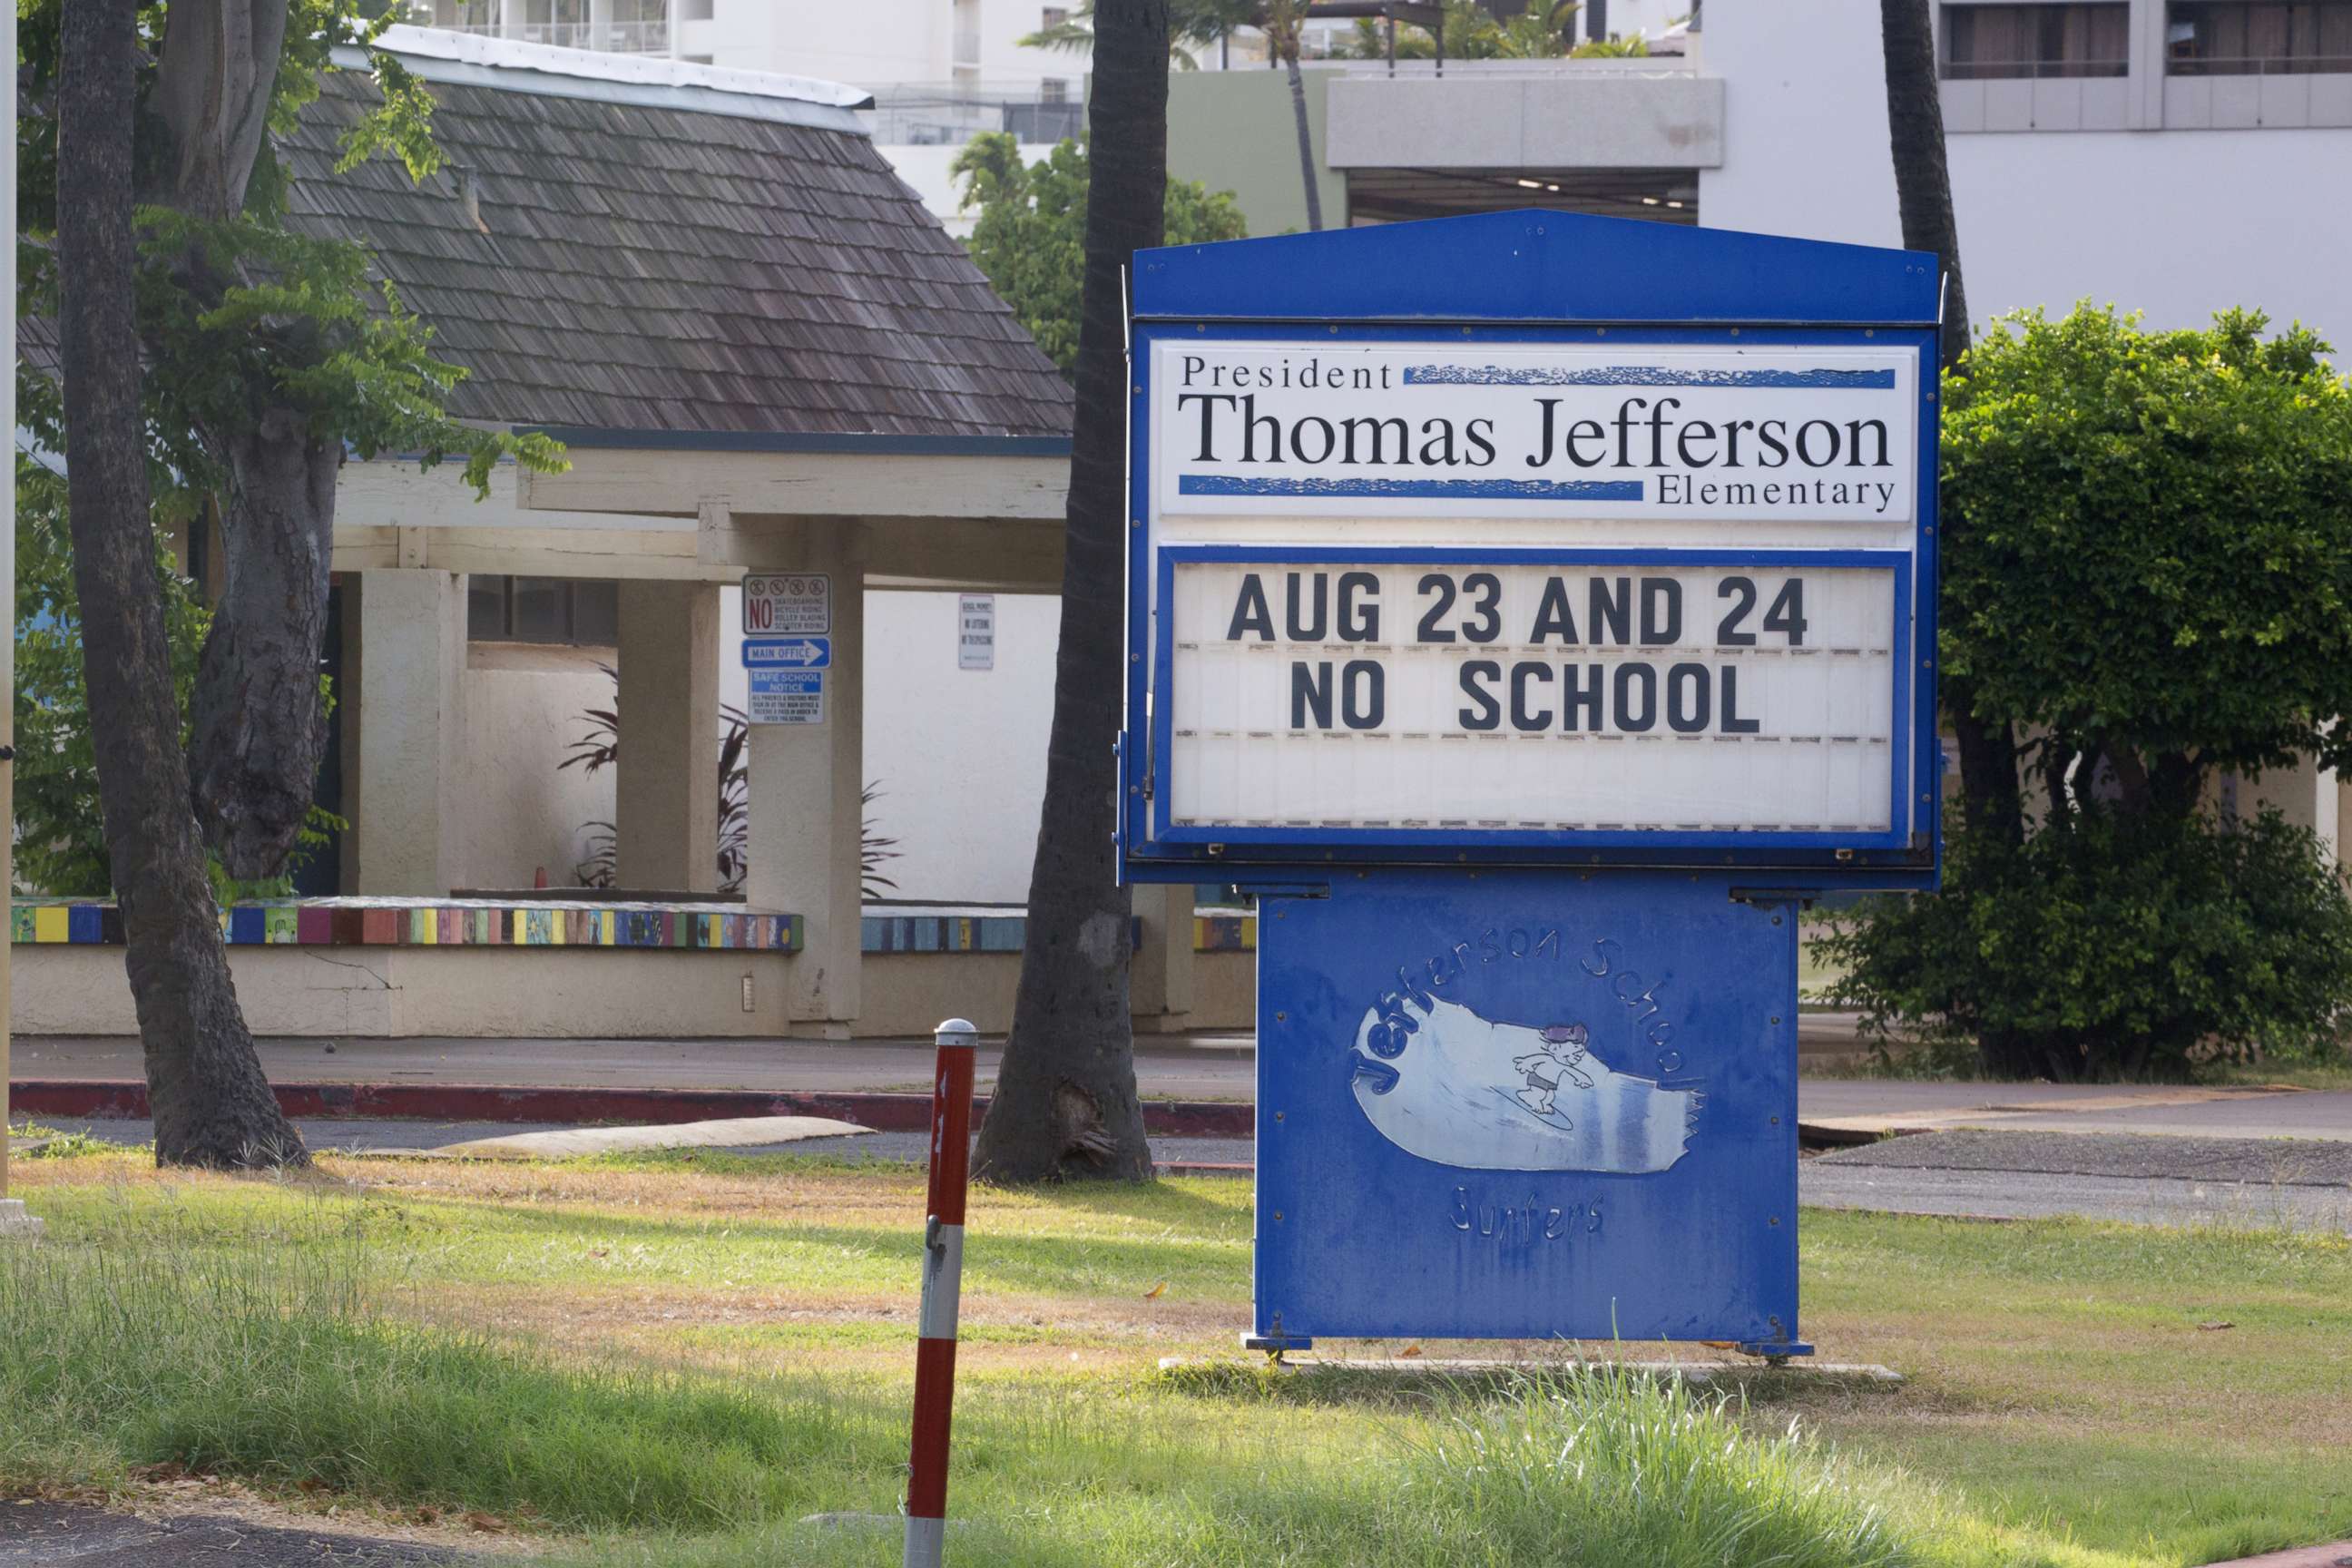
[[878, 42], [960, 753], [2176, 223], [519, 708]]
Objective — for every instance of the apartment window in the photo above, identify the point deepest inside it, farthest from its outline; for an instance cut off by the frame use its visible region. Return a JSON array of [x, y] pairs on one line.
[[2222, 37], [470, 15], [2069, 40], [542, 610], [1053, 90]]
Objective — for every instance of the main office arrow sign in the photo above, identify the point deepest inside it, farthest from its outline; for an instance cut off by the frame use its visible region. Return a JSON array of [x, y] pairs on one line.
[[787, 653]]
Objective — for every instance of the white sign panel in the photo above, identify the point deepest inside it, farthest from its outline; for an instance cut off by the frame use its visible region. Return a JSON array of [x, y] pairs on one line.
[[1637, 433], [785, 696], [787, 604], [1532, 696], [975, 631]]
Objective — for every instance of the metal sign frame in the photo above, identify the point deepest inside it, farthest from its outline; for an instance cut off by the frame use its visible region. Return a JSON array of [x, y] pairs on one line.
[[1542, 279]]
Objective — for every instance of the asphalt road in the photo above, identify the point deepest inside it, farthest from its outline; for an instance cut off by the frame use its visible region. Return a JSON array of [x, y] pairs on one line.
[[2302, 1185], [48, 1532], [2295, 1184]]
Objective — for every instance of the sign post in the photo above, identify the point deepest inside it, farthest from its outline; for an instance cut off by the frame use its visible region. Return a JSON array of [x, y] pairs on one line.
[[1538, 612]]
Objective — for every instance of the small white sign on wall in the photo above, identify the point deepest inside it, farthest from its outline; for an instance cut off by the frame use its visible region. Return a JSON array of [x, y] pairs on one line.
[[975, 631]]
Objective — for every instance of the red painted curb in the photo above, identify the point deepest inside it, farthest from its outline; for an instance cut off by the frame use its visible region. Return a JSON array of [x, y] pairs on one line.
[[99, 1099]]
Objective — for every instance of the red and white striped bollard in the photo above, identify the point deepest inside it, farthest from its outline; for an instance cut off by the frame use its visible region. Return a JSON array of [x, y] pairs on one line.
[[927, 1486]]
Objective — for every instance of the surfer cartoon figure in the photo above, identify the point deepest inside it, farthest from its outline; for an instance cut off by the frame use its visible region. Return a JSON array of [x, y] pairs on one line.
[[1558, 1061]]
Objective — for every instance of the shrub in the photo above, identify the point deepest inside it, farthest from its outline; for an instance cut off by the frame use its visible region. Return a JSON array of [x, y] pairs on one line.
[[2108, 945], [2146, 585]]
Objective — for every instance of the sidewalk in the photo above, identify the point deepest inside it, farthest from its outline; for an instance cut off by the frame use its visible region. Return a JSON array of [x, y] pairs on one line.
[[884, 1083]]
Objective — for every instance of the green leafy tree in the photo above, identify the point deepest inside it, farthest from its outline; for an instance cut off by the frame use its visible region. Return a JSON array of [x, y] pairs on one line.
[[1030, 239], [61, 843], [212, 356], [1195, 23], [1193, 26], [2148, 576], [1541, 32]]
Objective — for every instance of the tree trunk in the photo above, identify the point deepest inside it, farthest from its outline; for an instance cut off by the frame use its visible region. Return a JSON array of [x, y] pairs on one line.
[[1066, 1103], [213, 81], [259, 726], [1305, 142], [1923, 180], [1922, 192], [211, 1104]]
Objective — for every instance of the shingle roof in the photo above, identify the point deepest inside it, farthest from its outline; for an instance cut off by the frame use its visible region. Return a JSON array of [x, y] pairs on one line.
[[663, 269]]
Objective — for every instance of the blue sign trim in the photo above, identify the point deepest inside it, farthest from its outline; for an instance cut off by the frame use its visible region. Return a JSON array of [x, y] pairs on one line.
[[1893, 562], [1536, 265], [1430, 490]]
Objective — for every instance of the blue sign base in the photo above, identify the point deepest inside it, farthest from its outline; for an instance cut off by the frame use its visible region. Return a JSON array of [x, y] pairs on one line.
[[1527, 1105]]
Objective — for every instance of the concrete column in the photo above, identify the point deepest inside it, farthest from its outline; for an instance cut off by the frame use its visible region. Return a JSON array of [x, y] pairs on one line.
[[1159, 986], [413, 640], [805, 782], [2306, 795], [666, 802], [2148, 51]]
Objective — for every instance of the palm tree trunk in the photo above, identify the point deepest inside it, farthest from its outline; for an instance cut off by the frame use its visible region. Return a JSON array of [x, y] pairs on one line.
[[1305, 142], [1923, 190], [212, 1105], [1991, 798], [1922, 179], [1066, 1103]]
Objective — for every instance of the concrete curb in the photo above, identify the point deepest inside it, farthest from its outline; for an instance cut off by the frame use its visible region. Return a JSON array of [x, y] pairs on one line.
[[2335, 1556], [98, 1099]]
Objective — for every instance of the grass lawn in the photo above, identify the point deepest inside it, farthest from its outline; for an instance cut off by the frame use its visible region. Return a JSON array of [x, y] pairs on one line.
[[670, 1360]]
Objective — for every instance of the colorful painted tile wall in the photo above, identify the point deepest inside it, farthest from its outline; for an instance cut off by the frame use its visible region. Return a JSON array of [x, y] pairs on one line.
[[409, 922], [1002, 934]]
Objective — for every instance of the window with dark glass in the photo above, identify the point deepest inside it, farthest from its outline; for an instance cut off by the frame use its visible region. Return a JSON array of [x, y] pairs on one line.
[[2068, 40], [542, 610], [2233, 37]]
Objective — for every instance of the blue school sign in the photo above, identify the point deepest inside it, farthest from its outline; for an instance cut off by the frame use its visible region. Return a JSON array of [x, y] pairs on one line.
[[1536, 610]]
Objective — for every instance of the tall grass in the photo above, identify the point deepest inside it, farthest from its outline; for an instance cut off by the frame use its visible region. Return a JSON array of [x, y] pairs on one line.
[[275, 1354], [267, 1356], [1587, 1469]]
